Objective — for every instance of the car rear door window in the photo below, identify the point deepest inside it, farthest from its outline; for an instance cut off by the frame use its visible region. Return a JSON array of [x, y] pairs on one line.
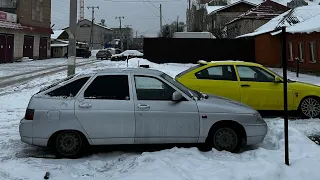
[[225, 72], [69, 90], [150, 88], [109, 87]]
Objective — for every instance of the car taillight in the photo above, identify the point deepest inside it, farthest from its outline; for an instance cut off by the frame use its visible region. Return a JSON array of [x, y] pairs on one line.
[[29, 114]]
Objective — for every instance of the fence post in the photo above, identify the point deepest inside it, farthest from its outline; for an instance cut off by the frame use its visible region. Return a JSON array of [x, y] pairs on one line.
[[298, 66]]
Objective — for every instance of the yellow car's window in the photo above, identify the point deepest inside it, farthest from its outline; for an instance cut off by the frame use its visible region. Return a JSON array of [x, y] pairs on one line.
[[252, 73]]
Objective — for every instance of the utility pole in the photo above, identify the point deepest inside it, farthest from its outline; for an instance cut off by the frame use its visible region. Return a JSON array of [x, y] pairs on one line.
[[178, 23], [189, 17], [120, 17], [72, 40], [128, 35], [136, 34], [81, 10], [160, 18], [92, 22]]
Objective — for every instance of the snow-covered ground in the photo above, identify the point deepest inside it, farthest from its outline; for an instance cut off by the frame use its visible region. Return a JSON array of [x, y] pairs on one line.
[[30, 66], [262, 162]]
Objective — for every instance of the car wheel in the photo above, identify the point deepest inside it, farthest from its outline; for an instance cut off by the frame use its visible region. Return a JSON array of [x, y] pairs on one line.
[[68, 144], [310, 107], [226, 138]]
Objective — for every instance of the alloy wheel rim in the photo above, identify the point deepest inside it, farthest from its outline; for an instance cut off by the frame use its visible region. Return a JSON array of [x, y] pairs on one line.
[[225, 139], [310, 107]]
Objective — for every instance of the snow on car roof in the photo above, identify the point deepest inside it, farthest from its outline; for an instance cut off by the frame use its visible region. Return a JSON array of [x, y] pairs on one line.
[[120, 70]]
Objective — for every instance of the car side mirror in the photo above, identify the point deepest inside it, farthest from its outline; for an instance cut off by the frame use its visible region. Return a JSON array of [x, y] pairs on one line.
[[177, 96], [277, 79]]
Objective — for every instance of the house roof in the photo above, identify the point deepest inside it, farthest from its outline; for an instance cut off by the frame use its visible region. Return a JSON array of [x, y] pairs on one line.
[[303, 19], [266, 11], [105, 27], [212, 8], [56, 34], [232, 4]]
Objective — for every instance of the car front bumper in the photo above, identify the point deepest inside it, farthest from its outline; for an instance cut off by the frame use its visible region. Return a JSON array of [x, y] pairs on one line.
[[255, 133]]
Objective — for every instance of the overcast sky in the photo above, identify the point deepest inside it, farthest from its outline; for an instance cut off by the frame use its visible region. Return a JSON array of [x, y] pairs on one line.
[[142, 16]]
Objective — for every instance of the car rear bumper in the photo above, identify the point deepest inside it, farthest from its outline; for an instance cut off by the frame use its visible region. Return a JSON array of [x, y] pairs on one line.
[[26, 134]]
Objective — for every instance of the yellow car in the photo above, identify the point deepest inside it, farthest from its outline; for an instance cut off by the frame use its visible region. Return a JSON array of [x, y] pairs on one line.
[[252, 84]]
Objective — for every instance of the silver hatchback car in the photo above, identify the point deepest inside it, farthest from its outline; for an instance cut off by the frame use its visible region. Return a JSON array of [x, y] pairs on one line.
[[134, 106]]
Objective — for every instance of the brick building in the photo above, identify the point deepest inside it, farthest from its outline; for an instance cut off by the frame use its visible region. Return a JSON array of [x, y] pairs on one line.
[[303, 39], [24, 29]]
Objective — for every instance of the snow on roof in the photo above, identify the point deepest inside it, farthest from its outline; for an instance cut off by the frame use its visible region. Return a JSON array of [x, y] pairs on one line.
[[212, 8], [59, 45], [10, 25], [105, 27], [56, 34], [303, 19], [232, 4]]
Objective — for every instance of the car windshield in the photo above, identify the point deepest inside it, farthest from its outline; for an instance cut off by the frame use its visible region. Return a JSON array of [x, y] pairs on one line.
[[289, 80], [180, 86]]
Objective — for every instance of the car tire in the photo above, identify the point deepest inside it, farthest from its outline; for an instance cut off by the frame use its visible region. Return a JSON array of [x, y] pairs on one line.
[[225, 138], [68, 144], [310, 107]]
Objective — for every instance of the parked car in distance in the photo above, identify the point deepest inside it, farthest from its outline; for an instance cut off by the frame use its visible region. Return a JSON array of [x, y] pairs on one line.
[[134, 106], [83, 52], [103, 54], [252, 84], [127, 54]]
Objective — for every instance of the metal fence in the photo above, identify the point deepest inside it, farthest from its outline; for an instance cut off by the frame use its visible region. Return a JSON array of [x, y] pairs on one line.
[[176, 50]]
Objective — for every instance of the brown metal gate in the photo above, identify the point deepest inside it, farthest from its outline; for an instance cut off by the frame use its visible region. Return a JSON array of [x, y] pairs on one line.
[[10, 45], [2, 48], [6, 48], [28, 46], [43, 48]]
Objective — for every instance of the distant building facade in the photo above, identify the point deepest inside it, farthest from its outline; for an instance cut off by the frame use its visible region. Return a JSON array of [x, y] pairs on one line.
[[254, 18], [24, 29], [101, 35]]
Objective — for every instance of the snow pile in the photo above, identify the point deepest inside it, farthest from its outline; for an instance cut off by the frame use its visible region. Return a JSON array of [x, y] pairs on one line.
[[94, 52]]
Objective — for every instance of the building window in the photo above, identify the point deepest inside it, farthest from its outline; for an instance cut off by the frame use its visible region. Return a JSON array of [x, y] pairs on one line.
[[313, 52], [290, 51], [301, 51]]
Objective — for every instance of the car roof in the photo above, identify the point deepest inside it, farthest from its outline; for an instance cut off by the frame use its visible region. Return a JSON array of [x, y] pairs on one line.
[[228, 62], [139, 70]]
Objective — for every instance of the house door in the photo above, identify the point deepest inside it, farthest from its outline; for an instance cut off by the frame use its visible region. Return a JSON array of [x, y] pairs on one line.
[[9, 48], [28, 46], [2, 48], [43, 48]]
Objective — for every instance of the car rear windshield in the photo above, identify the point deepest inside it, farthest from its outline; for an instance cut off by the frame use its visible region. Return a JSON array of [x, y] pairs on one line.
[[56, 83], [69, 90], [188, 70]]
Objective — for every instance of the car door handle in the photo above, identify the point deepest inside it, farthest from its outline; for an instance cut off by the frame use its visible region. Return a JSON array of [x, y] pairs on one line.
[[85, 105], [143, 106], [245, 85]]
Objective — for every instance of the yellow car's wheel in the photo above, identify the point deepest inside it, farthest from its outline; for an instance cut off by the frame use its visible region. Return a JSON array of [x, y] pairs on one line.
[[310, 107]]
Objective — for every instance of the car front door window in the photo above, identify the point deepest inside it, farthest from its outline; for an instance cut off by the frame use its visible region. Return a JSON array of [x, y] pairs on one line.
[[150, 88], [256, 74]]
